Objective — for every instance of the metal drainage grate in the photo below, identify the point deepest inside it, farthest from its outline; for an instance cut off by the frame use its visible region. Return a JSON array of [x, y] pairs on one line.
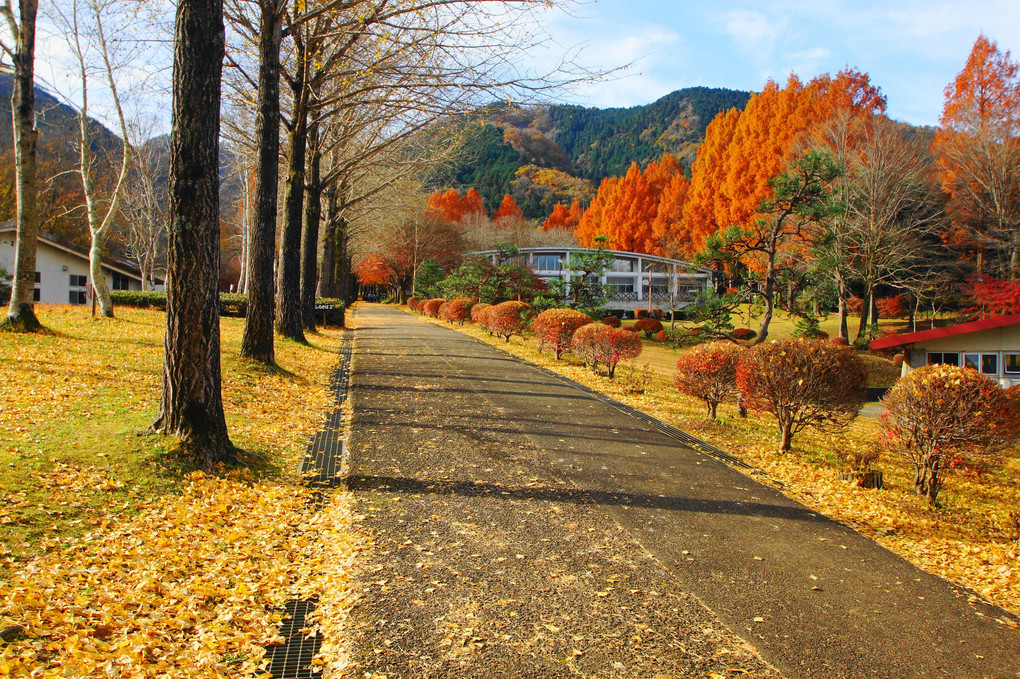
[[323, 465]]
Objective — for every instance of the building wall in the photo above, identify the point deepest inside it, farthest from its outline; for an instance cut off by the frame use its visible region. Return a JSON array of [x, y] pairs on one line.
[[55, 268], [998, 341]]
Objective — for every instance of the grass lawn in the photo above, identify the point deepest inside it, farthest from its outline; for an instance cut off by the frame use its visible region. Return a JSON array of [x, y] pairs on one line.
[[114, 551], [968, 540]]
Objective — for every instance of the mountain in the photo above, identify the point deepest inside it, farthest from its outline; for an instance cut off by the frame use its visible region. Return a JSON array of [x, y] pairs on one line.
[[553, 153]]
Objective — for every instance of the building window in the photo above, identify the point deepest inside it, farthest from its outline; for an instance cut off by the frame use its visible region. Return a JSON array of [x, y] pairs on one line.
[[38, 277], [618, 284], [1011, 364], [121, 282], [77, 297], [37, 295], [79, 281], [548, 263], [983, 363], [622, 266], [947, 358]]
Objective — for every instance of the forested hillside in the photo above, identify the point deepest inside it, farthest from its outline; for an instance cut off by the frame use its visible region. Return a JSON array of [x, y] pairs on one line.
[[542, 155]]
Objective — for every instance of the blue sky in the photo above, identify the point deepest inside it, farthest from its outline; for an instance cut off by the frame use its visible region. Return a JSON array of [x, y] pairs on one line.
[[912, 49]]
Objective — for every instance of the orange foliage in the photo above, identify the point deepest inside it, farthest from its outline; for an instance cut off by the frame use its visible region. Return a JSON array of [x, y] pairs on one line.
[[563, 217], [452, 208], [744, 150], [507, 209], [373, 270], [472, 203]]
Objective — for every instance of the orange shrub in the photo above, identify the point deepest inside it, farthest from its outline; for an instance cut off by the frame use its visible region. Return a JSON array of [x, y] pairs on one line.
[[744, 334], [649, 326], [640, 313], [479, 312], [802, 383], [661, 335], [431, 307], [612, 321], [413, 302], [709, 372], [508, 318], [459, 310], [598, 344], [442, 311], [938, 413], [555, 328]]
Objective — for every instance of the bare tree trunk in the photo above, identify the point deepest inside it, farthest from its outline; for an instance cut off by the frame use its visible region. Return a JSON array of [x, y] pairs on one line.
[[191, 406], [258, 342], [21, 312], [288, 284], [310, 232], [768, 295]]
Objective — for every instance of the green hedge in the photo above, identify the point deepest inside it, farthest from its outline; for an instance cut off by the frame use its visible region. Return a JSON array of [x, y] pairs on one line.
[[330, 310]]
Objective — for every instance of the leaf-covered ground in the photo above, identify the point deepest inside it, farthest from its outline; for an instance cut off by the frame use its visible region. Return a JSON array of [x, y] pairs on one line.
[[117, 559], [967, 541]]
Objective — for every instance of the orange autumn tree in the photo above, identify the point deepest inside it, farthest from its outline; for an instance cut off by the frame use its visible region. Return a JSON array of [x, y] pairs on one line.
[[563, 217], [507, 209], [451, 207], [374, 270], [744, 151], [978, 150]]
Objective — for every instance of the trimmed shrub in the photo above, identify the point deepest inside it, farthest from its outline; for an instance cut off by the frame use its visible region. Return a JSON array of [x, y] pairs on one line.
[[555, 328], [709, 372], [431, 307], [802, 383], [744, 334], [459, 310], [839, 341], [598, 344], [640, 313], [629, 328], [612, 321], [139, 299], [939, 413], [478, 313], [649, 326], [661, 335], [442, 311], [508, 318], [897, 361], [233, 304], [413, 302]]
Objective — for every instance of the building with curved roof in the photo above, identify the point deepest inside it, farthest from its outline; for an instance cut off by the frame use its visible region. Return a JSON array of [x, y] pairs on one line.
[[633, 280]]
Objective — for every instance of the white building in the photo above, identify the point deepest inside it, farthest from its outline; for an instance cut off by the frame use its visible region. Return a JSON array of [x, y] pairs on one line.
[[62, 272], [630, 280], [990, 345]]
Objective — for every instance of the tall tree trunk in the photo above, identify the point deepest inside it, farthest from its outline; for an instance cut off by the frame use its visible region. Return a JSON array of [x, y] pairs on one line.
[[310, 232], [347, 289], [769, 295], [844, 331], [21, 312], [327, 262], [257, 342], [191, 406], [288, 283], [865, 312]]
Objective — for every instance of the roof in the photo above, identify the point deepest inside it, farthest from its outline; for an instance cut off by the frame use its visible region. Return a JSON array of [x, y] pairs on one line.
[[111, 264], [949, 331]]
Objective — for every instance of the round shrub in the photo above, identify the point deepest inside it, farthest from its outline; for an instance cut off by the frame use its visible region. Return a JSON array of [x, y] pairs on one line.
[[459, 310], [478, 313], [442, 310], [413, 302], [598, 344], [897, 361], [709, 372], [555, 328], [941, 412], [612, 321], [629, 328], [649, 326], [640, 313], [431, 307], [508, 318], [661, 335], [744, 334], [803, 383]]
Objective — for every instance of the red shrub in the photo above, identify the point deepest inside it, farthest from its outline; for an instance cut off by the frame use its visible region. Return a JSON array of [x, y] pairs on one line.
[[744, 334], [892, 307], [629, 328], [839, 341], [661, 335], [897, 361], [478, 313], [413, 302], [612, 321], [656, 313], [459, 310], [508, 318], [442, 311], [598, 344], [650, 326], [709, 372], [939, 414], [555, 328], [431, 307], [640, 313], [802, 383], [855, 305]]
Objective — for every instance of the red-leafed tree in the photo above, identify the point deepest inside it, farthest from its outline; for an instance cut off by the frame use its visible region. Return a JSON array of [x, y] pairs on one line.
[[993, 297], [472, 204], [599, 344], [373, 270], [563, 217], [709, 372], [507, 209]]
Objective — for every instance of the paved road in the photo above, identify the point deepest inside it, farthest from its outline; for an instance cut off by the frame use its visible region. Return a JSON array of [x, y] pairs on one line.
[[448, 424]]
